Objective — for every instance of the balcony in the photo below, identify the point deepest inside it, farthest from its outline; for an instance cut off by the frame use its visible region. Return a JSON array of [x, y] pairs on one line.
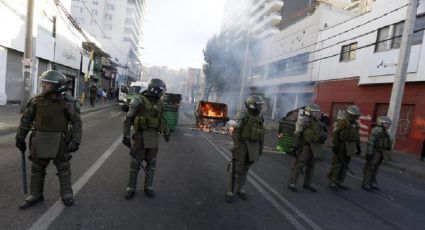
[[270, 6], [268, 21], [267, 33]]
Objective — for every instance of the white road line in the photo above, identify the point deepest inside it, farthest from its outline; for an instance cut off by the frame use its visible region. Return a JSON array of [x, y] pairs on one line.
[[284, 200], [266, 195], [53, 212]]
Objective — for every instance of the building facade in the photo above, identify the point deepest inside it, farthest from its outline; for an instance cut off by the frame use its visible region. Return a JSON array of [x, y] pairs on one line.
[[118, 26], [358, 67], [56, 45]]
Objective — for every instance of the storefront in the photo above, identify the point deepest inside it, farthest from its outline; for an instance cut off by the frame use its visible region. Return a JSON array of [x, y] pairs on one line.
[[373, 100]]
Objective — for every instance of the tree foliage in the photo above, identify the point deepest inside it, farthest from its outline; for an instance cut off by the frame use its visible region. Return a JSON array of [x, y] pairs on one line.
[[224, 57]]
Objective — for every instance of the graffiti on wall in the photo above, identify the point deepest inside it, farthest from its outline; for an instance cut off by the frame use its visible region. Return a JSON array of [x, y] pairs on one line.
[[365, 124], [418, 130]]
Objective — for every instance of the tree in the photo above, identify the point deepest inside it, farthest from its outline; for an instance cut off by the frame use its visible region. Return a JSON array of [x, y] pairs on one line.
[[224, 56]]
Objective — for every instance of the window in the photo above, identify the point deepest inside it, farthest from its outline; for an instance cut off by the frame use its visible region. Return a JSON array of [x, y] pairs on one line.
[[292, 66], [106, 36], [108, 26], [348, 52], [94, 12], [397, 32], [108, 17], [127, 30], [419, 25], [126, 39], [95, 3], [110, 7], [389, 37]]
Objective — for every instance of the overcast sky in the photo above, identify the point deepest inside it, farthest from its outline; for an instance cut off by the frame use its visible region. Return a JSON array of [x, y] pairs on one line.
[[176, 31]]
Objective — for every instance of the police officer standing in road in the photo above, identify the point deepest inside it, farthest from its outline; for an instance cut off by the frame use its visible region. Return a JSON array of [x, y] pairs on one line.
[[308, 137], [54, 119], [146, 116], [248, 141], [345, 144], [379, 142]]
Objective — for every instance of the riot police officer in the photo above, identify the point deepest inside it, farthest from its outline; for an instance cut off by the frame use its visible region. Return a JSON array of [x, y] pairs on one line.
[[379, 142], [248, 139], [345, 144], [146, 116], [54, 118], [308, 137]]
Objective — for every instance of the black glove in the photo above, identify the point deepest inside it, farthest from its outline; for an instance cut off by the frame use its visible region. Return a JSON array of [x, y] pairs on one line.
[[369, 157], [334, 149], [126, 141], [73, 147], [358, 152], [261, 151], [167, 138], [233, 150], [21, 144]]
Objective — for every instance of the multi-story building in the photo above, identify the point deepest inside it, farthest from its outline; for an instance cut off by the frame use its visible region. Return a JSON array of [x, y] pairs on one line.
[[281, 68], [357, 64], [56, 45], [118, 26], [257, 17]]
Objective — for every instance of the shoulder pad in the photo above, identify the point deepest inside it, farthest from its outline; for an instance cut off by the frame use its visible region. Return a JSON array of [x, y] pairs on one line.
[[341, 124], [69, 97], [135, 102], [241, 115], [376, 130]]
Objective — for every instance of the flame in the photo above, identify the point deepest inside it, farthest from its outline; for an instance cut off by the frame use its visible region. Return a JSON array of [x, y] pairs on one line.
[[208, 110]]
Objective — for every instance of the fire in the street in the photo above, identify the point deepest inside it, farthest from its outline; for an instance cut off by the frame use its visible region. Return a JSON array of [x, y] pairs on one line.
[[209, 110]]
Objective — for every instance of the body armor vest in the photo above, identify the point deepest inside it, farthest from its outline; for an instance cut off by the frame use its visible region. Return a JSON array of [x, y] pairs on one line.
[[311, 132], [350, 132], [253, 129], [383, 140], [50, 116], [149, 115]]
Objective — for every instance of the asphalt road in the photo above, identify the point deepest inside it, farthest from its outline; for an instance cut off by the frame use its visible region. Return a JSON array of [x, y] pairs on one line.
[[190, 184]]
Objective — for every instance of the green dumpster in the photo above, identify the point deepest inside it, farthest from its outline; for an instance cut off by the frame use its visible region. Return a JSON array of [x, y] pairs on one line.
[[171, 110]]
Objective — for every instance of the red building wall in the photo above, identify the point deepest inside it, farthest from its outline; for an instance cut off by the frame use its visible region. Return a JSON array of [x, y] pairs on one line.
[[373, 100]]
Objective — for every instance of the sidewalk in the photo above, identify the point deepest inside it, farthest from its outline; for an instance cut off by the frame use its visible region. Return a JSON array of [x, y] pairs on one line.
[[10, 114], [404, 162]]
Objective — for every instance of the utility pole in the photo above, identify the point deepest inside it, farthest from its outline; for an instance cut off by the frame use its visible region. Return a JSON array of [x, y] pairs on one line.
[[243, 80], [26, 61], [86, 92], [400, 75]]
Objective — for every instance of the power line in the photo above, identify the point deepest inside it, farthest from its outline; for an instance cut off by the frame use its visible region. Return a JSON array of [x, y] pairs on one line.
[[104, 34], [343, 32], [364, 46]]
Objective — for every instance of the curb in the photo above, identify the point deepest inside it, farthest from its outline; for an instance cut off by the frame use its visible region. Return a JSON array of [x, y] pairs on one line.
[[12, 129]]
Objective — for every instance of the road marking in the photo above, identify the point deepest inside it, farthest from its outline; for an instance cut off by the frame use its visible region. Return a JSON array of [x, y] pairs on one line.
[[268, 197], [116, 114], [53, 212]]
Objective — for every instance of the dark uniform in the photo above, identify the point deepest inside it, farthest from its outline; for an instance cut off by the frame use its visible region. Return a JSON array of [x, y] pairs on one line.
[[309, 139], [93, 94], [248, 139], [146, 116], [345, 144], [379, 142], [54, 118]]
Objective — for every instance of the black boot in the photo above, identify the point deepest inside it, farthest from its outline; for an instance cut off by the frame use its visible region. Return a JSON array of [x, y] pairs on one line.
[[64, 174], [310, 188], [132, 179], [38, 174]]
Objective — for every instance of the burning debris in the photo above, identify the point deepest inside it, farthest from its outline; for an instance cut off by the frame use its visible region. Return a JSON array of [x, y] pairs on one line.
[[211, 117]]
